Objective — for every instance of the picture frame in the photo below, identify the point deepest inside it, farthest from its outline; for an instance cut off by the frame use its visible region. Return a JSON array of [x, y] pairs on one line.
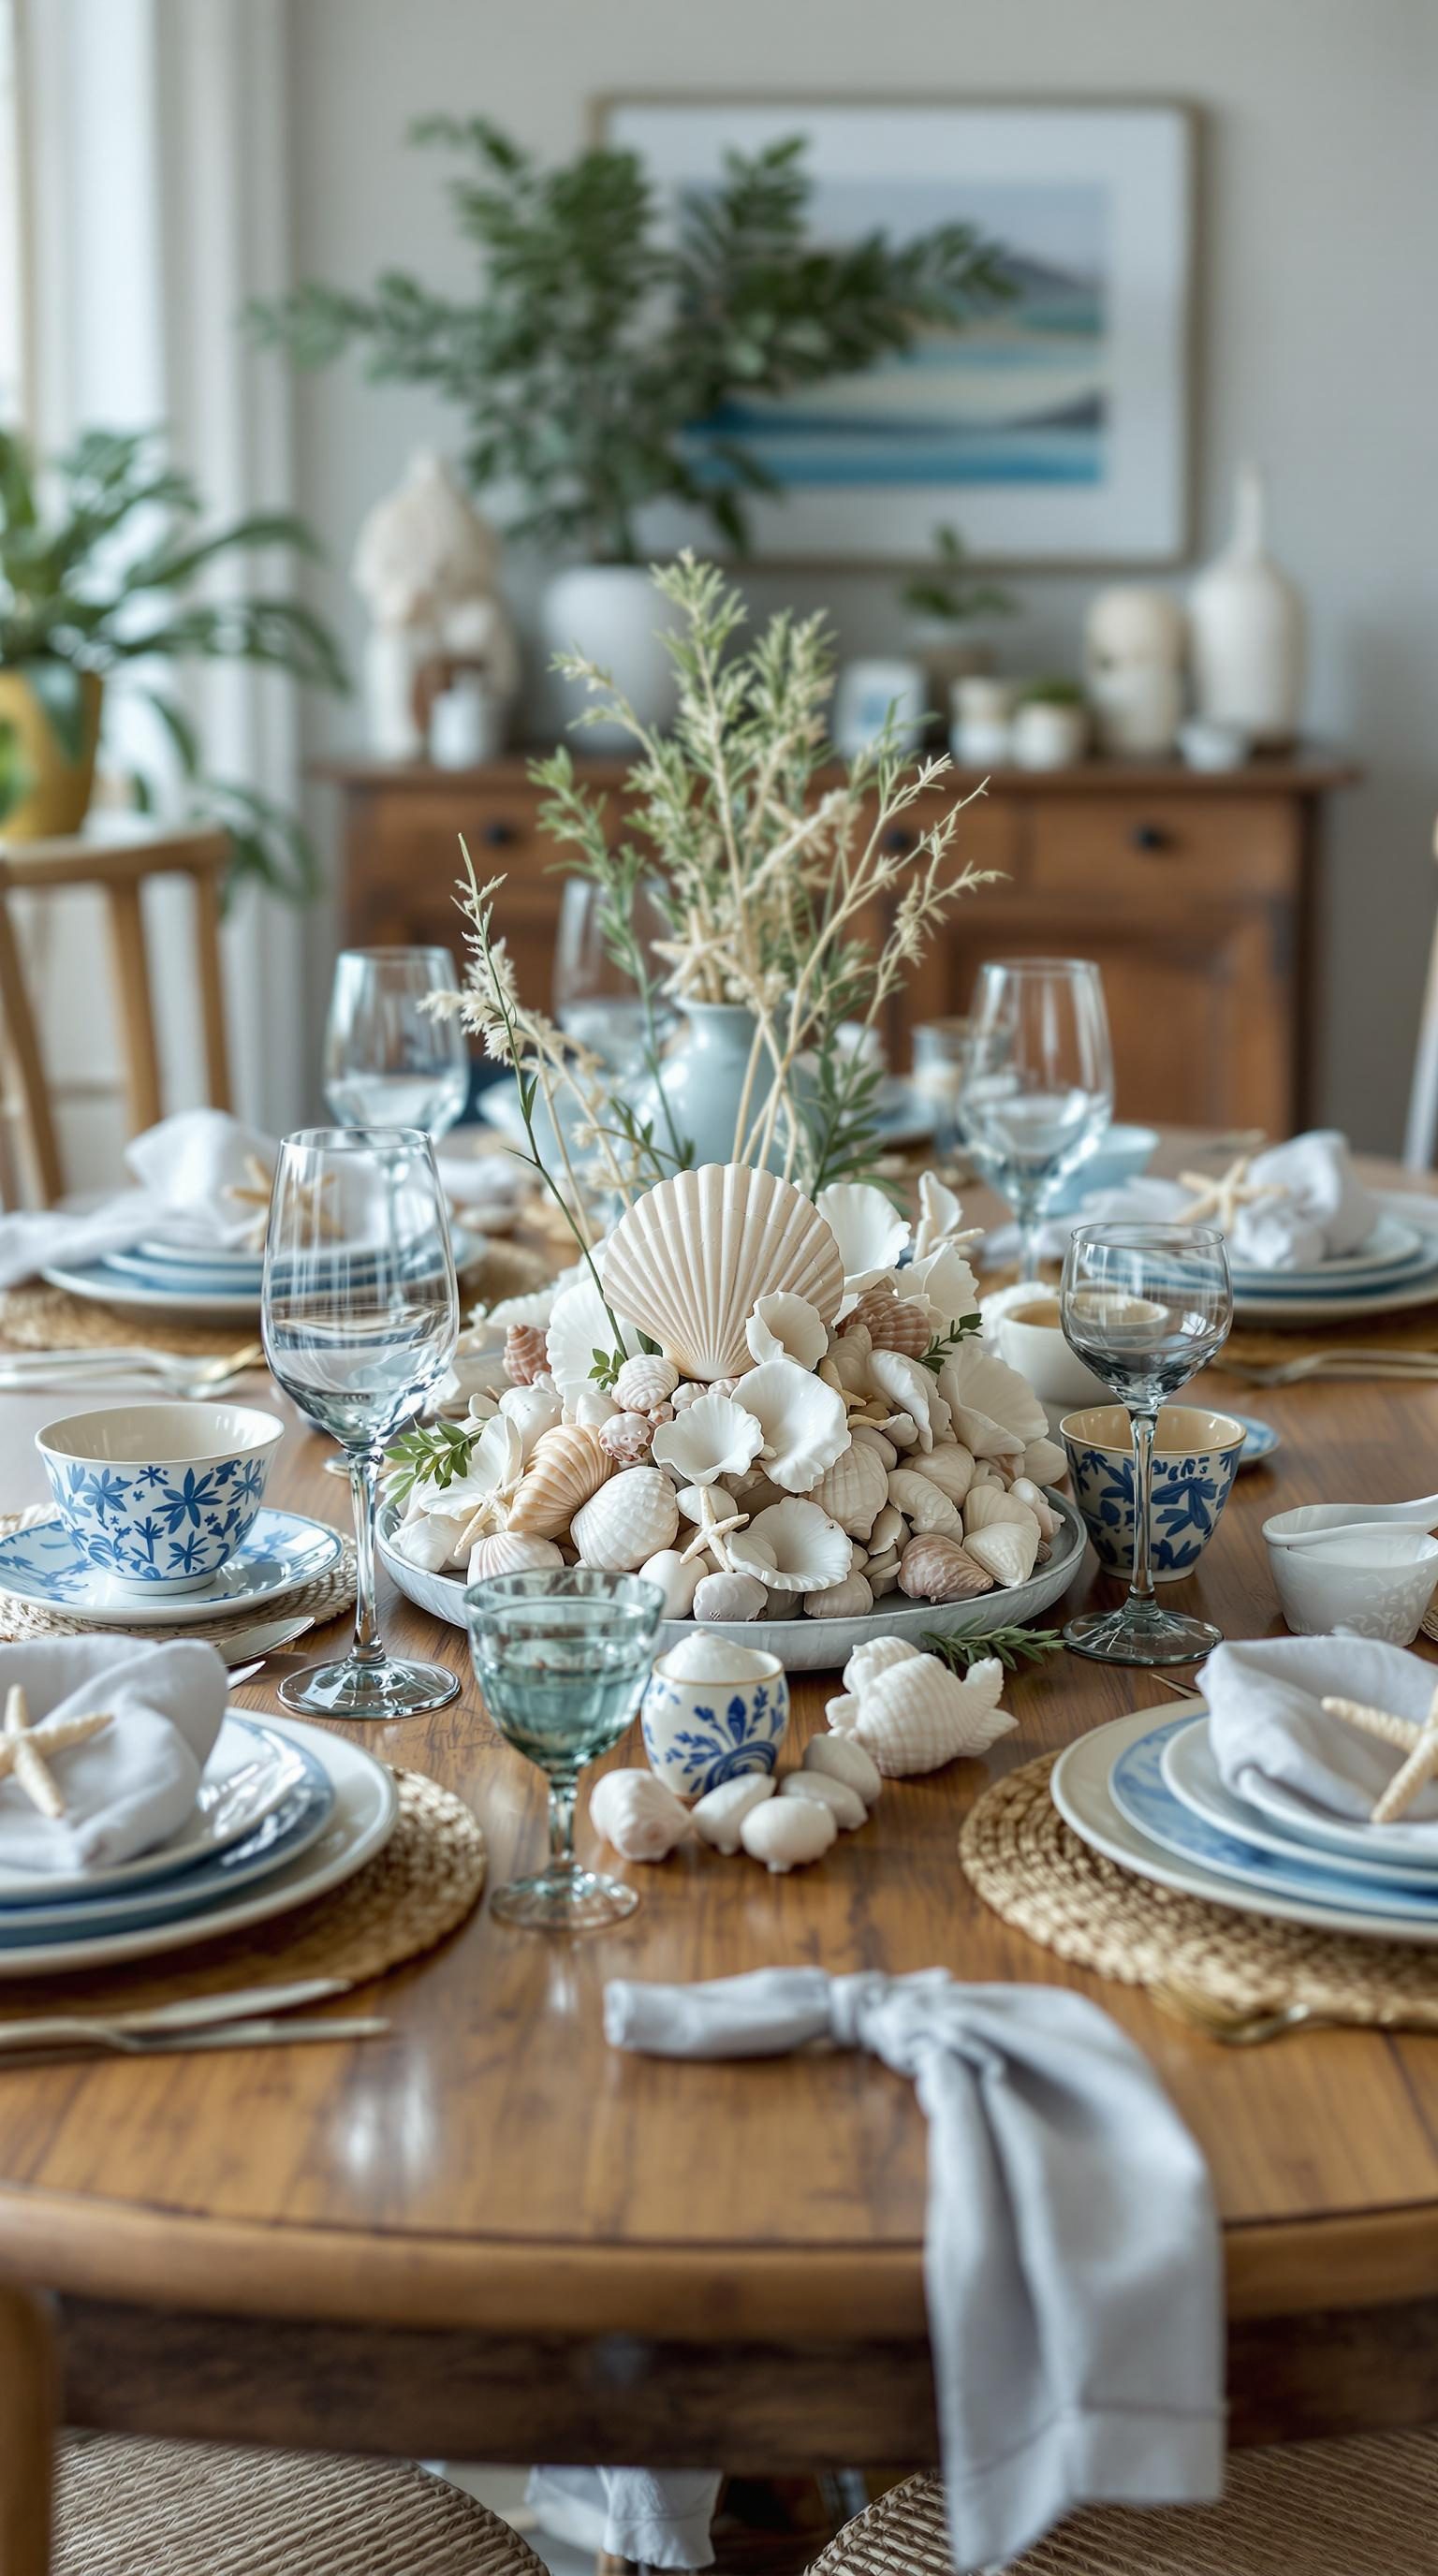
[[1053, 431]]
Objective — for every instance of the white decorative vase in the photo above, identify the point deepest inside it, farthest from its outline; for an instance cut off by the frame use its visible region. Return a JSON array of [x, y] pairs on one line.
[[613, 615], [702, 1080], [1048, 733], [1247, 627], [1133, 670]]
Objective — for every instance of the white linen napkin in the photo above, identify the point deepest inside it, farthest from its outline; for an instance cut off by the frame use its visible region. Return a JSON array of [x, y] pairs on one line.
[[1326, 1211], [181, 1169], [1266, 1723], [1072, 2262], [132, 1786], [653, 2517]]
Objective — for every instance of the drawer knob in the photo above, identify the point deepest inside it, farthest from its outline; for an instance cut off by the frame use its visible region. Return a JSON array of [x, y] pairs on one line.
[[1150, 836], [498, 835], [898, 842]]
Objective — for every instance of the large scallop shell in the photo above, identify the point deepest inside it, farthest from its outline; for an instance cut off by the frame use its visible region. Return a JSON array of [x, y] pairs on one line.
[[569, 1464], [853, 1491], [511, 1552], [690, 1260], [914, 1715], [805, 1423], [629, 1518], [713, 1438], [793, 1547], [936, 1568]]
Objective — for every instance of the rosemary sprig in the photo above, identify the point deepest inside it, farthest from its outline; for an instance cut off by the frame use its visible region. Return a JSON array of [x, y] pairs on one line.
[[433, 1455], [1012, 1646], [944, 1345]]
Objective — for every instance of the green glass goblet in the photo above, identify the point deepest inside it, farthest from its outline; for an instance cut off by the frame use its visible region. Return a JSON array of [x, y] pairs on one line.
[[562, 1658]]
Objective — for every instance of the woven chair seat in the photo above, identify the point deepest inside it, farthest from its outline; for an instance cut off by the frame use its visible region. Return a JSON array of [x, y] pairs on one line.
[[1366, 2506], [131, 2508]]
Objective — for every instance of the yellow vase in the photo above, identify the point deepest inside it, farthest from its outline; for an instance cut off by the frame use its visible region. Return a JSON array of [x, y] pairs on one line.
[[56, 797]]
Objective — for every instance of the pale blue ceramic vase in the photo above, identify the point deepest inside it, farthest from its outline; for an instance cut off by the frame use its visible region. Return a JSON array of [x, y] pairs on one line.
[[702, 1082]]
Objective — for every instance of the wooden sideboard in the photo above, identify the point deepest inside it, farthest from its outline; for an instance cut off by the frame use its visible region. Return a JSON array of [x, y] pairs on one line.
[[1194, 893]]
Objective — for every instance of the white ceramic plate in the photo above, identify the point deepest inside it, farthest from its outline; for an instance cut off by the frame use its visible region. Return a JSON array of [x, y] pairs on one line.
[[282, 1550], [806, 1645], [1293, 1815], [249, 1772], [1193, 1776], [137, 1289], [1391, 1246], [1419, 1289], [1079, 1785], [362, 1820]]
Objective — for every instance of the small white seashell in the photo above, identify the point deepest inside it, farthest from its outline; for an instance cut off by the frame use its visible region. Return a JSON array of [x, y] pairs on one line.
[[850, 1599], [786, 1833], [638, 1815], [719, 1815], [793, 1547], [713, 1438], [853, 1491], [974, 1379], [912, 1390], [431, 1540], [804, 1423], [511, 1552], [841, 1757], [626, 1436], [1005, 1551], [786, 1327], [903, 1432], [628, 1519], [867, 1435], [870, 1233], [729, 1596], [890, 1530], [590, 1405], [992, 1503], [677, 1581], [1045, 1462], [691, 1258], [533, 1410], [844, 1804], [1024, 1490], [915, 1715], [934, 1568], [949, 1465], [645, 1381], [940, 1214], [927, 1511]]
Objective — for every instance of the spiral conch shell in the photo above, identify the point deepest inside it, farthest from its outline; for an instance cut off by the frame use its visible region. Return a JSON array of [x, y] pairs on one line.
[[569, 1464], [630, 1518], [637, 1814], [690, 1259], [911, 1714]]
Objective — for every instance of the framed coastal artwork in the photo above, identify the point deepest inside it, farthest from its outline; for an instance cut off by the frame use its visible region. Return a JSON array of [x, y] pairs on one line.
[[1053, 428]]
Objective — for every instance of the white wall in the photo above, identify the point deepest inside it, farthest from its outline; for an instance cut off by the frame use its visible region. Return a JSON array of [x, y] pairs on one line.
[[1318, 266]]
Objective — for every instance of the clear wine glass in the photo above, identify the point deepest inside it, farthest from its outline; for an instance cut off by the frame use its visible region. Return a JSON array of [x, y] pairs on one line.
[[360, 1315], [1145, 1307], [1040, 1090], [562, 1657], [598, 1000], [389, 1062]]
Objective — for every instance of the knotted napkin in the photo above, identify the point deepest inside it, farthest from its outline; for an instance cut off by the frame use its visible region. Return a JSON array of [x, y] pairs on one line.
[[1267, 1724], [181, 1171], [1324, 1209], [1071, 2262], [130, 1788]]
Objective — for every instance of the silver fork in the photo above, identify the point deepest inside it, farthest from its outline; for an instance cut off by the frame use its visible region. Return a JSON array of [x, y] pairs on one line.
[[20, 1370], [1418, 1365]]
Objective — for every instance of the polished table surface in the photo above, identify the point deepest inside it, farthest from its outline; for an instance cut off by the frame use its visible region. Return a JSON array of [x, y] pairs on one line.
[[489, 2233]]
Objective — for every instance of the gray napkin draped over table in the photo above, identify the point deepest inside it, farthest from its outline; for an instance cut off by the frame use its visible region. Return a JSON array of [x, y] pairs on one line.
[[1072, 2260]]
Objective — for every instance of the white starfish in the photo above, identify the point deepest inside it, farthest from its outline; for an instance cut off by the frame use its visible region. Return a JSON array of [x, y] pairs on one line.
[[1417, 1738], [23, 1748], [256, 1190], [1221, 1196]]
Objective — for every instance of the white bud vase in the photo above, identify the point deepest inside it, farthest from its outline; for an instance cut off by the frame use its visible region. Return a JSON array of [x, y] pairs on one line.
[[613, 615], [1246, 623]]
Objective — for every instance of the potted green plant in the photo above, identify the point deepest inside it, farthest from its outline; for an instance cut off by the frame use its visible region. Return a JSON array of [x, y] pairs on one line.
[[594, 358], [99, 566], [1049, 728], [946, 605]]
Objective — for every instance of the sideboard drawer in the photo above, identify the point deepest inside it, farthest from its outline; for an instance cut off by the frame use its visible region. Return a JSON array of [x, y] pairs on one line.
[[1151, 849]]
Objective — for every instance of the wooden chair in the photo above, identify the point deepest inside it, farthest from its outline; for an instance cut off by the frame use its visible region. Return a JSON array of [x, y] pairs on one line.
[[1421, 1134], [135, 2508], [116, 855]]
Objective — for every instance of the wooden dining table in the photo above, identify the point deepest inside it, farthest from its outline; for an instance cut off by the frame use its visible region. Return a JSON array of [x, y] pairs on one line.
[[488, 2235]]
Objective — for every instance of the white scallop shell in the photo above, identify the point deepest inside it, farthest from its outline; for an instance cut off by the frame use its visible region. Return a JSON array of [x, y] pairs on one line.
[[677, 1581], [851, 1599], [912, 1390], [940, 1214], [786, 1833], [949, 1465], [871, 1235], [1024, 1490], [992, 1503], [925, 1507], [841, 1757], [715, 1437], [804, 1423], [578, 1327], [644, 1382], [637, 1814], [1045, 1462], [1005, 1551], [689, 1261], [719, 1815], [630, 1518], [915, 1715], [511, 1552], [844, 1804], [729, 1596], [974, 1379], [786, 1327], [853, 1491], [793, 1547]]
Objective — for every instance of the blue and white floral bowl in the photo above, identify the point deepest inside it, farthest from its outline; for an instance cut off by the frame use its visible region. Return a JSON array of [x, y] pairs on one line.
[[1195, 1460], [158, 1496], [712, 1710]]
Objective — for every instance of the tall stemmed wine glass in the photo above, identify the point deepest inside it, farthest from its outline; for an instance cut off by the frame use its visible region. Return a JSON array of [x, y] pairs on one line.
[[360, 1315], [1145, 1307], [389, 1062], [1040, 1089]]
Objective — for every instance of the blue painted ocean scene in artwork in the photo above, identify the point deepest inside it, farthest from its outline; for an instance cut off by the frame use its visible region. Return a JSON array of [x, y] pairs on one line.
[[1022, 395]]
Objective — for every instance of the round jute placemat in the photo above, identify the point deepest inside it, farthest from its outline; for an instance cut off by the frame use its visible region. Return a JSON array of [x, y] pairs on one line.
[[1035, 1872], [327, 1597], [423, 1885]]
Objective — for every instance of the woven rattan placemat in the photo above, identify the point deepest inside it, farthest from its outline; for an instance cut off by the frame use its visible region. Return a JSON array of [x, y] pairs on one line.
[[1035, 1872], [327, 1597]]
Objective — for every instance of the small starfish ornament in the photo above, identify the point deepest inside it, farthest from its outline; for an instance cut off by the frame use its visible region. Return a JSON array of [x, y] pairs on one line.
[[1221, 1196], [1417, 1739], [256, 1190], [23, 1748]]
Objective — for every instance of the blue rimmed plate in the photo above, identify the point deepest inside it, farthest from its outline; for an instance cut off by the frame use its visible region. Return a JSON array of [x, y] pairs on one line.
[[282, 1549], [251, 1772], [1190, 1771], [1259, 1438]]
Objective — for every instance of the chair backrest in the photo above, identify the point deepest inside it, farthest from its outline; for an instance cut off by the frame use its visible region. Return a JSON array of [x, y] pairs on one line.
[[28, 2401], [116, 863], [1421, 1135]]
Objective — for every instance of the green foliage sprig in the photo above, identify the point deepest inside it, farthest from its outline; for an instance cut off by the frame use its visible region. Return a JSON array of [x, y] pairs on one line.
[[949, 593], [438, 1453], [1012, 1647], [944, 1345]]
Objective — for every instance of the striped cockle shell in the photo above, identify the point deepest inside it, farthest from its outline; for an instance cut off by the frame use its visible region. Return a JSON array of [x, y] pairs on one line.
[[729, 1596], [842, 1757], [793, 1547], [894, 1323], [511, 1552], [637, 1814], [569, 1464], [851, 1599], [866, 1435], [949, 1465], [933, 1568], [626, 1436], [844, 1803], [1005, 1551], [786, 1833], [628, 1519], [644, 1382], [689, 1261], [916, 1715], [923, 1505], [853, 1491], [990, 1503]]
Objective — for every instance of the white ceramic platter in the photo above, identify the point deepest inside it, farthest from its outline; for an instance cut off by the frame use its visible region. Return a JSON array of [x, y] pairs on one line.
[[1079, 1785], [1392, 1246], [806, 1645], [366, 1804]]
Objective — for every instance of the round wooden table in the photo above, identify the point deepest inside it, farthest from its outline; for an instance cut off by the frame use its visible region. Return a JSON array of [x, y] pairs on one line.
[[491, 2236]]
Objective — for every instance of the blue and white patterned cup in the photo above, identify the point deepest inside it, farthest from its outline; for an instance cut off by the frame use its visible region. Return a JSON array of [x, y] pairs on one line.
[[1195, 1460], [711, 1711], [158, 1496]]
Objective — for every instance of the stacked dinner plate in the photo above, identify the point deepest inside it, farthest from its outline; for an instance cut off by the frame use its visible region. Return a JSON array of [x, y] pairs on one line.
[[1146, 1792], [285, 1811], [1397, 1266], [210, 1281]]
